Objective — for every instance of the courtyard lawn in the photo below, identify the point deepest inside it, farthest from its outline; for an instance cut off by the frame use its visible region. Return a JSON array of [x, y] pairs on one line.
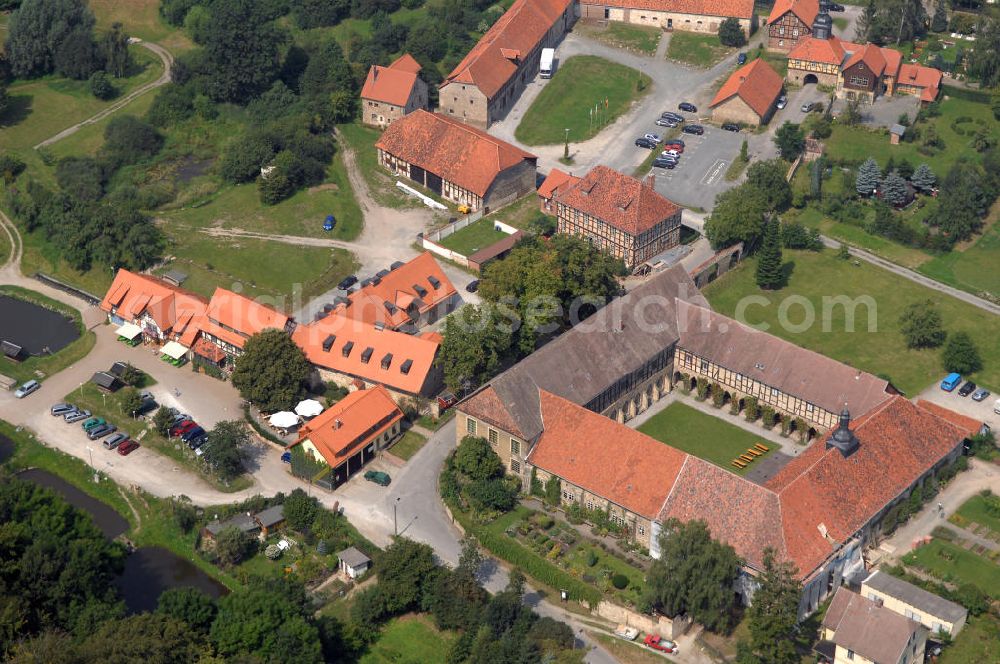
[[477, 235], [641, 38], [702, 435], [875, 345], [581, 84], [976, 510], [52, 364], [409, 638], [408, 445], [953, 564], [696, 49]]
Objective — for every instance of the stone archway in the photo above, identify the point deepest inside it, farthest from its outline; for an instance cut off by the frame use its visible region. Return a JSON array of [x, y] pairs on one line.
[[694, 383], [810, 79], [727, 398]]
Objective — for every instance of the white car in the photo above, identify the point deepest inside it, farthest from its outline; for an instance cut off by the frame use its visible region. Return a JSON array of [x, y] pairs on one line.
[[671, 153], [653, 137], [626, 632], [782, 101], [27, 388], [666, 122]]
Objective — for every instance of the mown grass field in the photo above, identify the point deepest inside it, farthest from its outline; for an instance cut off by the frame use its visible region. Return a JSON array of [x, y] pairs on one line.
[[141, 18], [876, 344], [640, 38], [700, 50], [581, 84], [409, 638], [477, 235], [975, 269], [704, 436], [976, 510]]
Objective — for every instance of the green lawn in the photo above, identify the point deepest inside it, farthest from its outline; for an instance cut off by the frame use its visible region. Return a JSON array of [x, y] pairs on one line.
[[975, 269], [641, 38], [52, 364], [408, 445], [582, 84], [381, 186], [879, 351], [477, 235], [696, 49], [704, 436], [954, 564], [975, 510], [978, 642], [142, 19], [409, 638]]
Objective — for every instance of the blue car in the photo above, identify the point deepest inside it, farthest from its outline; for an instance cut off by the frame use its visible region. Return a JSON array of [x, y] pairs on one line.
[[950, 382], [329, 223], [741, 59], [286, 457]]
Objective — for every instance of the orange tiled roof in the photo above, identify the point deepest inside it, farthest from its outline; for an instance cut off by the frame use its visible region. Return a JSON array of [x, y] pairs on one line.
[[619, 200], [407, 288], [805, 10], [464, 155], [392, 84], [756, 83], [970, 425], [919, 76], [871, 55], [207, 349], [725, 8], [241, 313], [829, 51], [554, 181], [493, 60], [170, 307], [343, 428], [893, 59], [348, 341]]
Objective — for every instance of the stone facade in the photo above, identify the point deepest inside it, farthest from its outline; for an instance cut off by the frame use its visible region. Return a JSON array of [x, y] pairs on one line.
[[467, 103], [785, 33], [735, 109], [381, 114], [666, 20]]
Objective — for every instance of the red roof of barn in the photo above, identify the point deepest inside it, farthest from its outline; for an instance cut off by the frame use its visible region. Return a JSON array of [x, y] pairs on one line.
[[620, 200], [725, 8], [464, 155], [392, 84], [970, 425], [829, 51], [756, 83], [554, 181]]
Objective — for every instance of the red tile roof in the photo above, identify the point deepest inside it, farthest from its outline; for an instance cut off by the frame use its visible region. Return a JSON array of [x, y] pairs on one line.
[[392, 84], [805, 10], [492, 61], [620, 200], [235, 318], [970, 425], [919, 76], [342, 429], [555, 181], [418, 351], [208, 350], [726, 8], [172, 308], [893, 59], [389, 301], [486, 405], [872, 56], [830, 51], [464, 155], [610, 460], [756, 83]]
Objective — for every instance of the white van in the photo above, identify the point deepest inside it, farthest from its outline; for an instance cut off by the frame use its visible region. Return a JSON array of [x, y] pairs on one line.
[[548, 58]]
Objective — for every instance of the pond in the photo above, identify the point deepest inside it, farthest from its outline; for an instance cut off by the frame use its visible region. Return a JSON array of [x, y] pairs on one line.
[[34, 328], [148, 570]]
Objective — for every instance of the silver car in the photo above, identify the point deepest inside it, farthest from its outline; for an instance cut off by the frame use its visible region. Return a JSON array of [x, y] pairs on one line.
[[76, 416], [111, 442], [26, 389]]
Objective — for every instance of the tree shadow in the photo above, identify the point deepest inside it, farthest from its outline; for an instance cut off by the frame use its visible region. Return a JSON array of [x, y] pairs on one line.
[[786, 273], [19, 107], [135, 68]]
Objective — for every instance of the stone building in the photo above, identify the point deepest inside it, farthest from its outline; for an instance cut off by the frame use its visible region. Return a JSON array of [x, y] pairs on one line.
[[687, 15], [749, 96], [458, 162], [619, 214], [391, 92], [789, 22], [487, 82]]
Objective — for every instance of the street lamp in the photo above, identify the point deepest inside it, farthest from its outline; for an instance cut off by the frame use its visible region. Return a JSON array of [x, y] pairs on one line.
[[566, 145], [395, 524]]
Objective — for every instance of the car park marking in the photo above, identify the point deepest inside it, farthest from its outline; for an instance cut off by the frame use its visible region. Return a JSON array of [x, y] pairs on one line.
[[714, 172]]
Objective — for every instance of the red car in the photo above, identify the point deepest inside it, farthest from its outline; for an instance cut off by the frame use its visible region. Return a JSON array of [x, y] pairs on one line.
[[674, 146], [663, 645], [126, 448], [181, 428]]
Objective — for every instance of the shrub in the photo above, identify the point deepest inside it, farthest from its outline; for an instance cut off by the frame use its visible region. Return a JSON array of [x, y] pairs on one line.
[[101, 87], [619, 581], [591, 557]]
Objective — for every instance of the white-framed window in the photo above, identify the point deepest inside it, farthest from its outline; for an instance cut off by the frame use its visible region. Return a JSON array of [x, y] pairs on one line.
[[860, 80], [515, 466], [494, 437], [470, 426], [568, 495], [810, 408], [641, 529], [850, 654], [515, 447], [774, 392], [590, 504]]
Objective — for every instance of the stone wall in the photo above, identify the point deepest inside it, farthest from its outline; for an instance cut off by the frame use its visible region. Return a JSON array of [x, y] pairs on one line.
[[662, 625]]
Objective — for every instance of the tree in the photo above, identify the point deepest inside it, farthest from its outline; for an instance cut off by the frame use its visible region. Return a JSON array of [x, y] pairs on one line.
[[731, 33], [163, 419], [866, 22], [894, 189], [232, 545], [10, 164], [300, 510], [984, 60], [130, 402], [271, 371], [242, 48], [868, 177], [553, 490], [146, 637], [922, 325], [243, 157], [101, 87], [76, 56], [693, 575], [962, 202], [738, 216], [81, 177], [768, 177], [405, 570], [477, 341], [189, 605], [38, 28], [114, 49], [129, 140], [790, 141], [961, 355], [319, 13], [924, 178], [939, 23], [476, 459], [769, 274], [852, 113], [227, 449], [773, 616], [4, 100]]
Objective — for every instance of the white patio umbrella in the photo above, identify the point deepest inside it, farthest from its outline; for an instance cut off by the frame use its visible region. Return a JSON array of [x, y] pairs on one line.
[[284, 419], [309, 408]]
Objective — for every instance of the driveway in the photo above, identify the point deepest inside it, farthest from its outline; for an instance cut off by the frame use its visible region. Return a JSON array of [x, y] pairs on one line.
[[980, 410]]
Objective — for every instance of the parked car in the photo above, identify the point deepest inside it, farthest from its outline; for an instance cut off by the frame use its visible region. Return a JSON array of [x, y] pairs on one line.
[[76, 416], [378, 477], [101, 431], [659, 643], [980, 394], [472, 286], [626, 632], [813, 106], [643, 142], [198, 441], [181, 428], [671, 153], [741, 59], [730, 126], [329, 223], [687, 107], [192, 433], [666, 122], [92, 422], [179, 417], [127, 447], [670, 115], [147, 406], [60, 409], [653, 137], [673, 143], [782, 101], [694, 129], [996, 406], [950, 382], [665, 162], [111, 442], [967, 389], [286, 457], [27, 388], [347, 282]]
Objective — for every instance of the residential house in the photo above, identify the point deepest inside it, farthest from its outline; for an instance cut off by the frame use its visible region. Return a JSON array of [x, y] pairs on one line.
[[749, 96], [229, 320], [488, 81], [163, 312], [688, 15], [391, 92], [458, 162], [556, 182], [856, 630], [789, 22], [932, 611], [350, 433], [270, 520], [619, 214]]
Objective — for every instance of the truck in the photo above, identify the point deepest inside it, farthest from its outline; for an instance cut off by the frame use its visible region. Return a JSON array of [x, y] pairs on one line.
[[548, 57]]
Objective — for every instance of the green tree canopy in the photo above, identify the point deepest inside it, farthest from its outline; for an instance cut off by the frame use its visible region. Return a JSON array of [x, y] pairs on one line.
[[962, 202], [190, 606], [894, 189], [476, 459], [738, 216], [769, 274], [768, 177], [227, 449], [731, 33], [924, 178], [477, 342], [38, 29], [773, 616], [961, 355], [922, 325], [146, 637], [271, 371], [300, 510], [791, 141], [868, 177], [242, 48]]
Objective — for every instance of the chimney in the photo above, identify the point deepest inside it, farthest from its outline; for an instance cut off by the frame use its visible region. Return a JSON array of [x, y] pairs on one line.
[[337, 424]]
